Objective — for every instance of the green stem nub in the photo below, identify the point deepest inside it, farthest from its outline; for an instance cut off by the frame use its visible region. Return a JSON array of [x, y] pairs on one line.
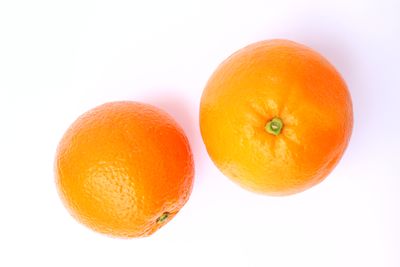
[[274, 126], [163, 217]]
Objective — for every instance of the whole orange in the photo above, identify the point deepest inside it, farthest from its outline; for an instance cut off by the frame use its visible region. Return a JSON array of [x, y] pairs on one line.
[[276, 117], [124, 169]]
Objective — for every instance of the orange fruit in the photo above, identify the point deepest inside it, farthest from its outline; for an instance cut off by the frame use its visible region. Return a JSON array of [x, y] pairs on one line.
[[276, 117], [124, 169]]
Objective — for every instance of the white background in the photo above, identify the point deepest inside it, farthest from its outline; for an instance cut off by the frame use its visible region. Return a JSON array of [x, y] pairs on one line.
[[61, 58]]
